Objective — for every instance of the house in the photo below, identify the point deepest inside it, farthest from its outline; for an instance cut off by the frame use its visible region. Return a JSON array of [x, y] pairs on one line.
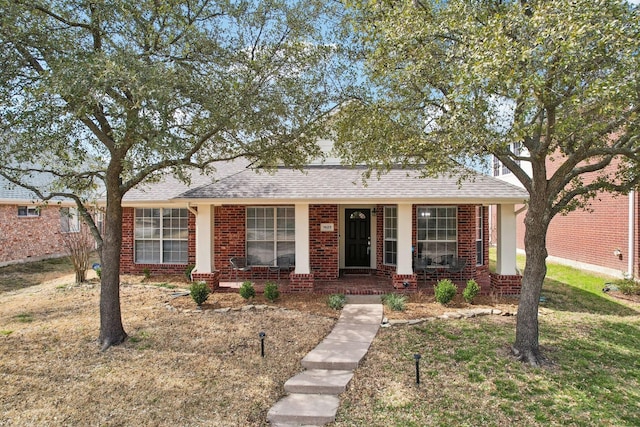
[[31, 230], [326, 221], [603, 239]]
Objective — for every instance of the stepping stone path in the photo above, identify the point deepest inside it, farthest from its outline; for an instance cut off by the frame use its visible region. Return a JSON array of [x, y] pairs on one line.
[[313, 393]]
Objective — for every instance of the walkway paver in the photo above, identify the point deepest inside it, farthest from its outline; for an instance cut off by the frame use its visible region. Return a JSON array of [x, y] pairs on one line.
[[313, 398]]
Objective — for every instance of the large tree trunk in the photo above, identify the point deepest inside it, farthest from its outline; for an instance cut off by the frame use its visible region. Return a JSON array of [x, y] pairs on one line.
[[537, 220], [111, 329]]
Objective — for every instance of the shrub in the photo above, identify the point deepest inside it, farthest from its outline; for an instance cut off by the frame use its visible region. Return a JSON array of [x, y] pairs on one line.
[[395, 302], [337, 301], [445, 291], [199, 292], [470, 291], [271, 291], [147, 273], [188, 271], [628, 286], [247, 291], [99, 272]]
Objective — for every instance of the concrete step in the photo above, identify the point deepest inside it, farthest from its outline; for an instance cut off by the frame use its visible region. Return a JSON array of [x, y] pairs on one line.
[[319, 381], [338, 355], [304, 409], [364, 299]]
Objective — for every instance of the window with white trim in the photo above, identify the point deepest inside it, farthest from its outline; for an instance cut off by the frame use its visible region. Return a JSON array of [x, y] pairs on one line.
[[390, 235], [437, 233], [161, 236], [479, 236], [28, 211], [271, 234], [69, 220]]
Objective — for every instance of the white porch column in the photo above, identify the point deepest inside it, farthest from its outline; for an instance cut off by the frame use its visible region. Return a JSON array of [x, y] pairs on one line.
[[203, 239], [506, 242], [404, 239], [302, 239]]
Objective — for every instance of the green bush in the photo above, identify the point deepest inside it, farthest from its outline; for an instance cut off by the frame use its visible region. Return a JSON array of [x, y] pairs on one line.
[[147, 273], [395, 302], [445, 291], [247, 291], [470, 291], [99, 272], [628, 286], [188, 270], [199, 292], [337, 301], [271, 291]]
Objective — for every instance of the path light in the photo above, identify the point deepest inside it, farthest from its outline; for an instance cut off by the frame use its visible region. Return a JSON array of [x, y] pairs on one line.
[[417, 357], [262, 335]]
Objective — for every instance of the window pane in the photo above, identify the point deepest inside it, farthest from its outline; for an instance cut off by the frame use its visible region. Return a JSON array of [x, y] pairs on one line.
[[260, 253], [174, 251], [147, 252]]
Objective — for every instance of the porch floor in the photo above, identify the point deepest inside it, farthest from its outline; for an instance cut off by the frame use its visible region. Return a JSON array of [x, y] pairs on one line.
[[348, 285]]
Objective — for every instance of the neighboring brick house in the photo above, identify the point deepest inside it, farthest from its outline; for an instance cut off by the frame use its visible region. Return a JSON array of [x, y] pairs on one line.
[[324, 220], [604, 238], [30, 231]]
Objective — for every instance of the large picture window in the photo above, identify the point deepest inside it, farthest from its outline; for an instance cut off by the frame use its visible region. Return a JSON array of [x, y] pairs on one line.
[[161, 236], [437, 237], [390, 235], [270, 234]]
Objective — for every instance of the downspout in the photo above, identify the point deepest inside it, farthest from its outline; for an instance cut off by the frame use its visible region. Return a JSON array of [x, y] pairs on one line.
[[631, 237]]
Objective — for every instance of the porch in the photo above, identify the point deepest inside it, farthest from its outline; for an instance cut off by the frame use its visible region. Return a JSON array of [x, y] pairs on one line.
[[349, 284]]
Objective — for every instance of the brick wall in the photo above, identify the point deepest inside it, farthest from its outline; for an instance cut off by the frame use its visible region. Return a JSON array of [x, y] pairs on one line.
[[29, 238], [127, 255], [324, 245], [590, 236], [505, 284], [229, 239]]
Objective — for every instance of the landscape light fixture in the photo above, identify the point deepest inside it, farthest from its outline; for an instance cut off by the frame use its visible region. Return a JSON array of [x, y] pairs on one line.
[[417, 358], [262, 335]]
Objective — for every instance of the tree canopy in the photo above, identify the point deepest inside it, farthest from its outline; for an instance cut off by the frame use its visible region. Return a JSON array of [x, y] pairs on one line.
[[453, 82], [112, 93]]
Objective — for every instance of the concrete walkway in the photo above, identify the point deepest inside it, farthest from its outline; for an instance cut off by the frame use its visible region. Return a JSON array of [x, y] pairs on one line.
[[313, 393]]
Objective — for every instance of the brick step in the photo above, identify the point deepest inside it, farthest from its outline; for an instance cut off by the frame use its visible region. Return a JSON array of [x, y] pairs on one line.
[[319, 381], [304, 409]]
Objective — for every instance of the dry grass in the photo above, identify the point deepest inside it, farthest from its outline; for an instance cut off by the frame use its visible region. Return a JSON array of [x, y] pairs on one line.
[[177, 368]]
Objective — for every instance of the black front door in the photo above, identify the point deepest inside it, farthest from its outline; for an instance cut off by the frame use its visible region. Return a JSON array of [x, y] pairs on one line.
[[358, 237]]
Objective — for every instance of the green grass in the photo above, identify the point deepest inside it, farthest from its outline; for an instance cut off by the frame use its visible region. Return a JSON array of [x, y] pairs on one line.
[[469, 378]]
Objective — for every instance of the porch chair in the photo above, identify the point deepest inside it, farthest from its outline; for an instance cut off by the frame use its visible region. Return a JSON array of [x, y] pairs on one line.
[[240, 264], [420, 266], [283, 263], [457, 265]]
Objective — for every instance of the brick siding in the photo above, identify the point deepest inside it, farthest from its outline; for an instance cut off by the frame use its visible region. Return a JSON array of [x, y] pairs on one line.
[[324, 245], [30, 238]]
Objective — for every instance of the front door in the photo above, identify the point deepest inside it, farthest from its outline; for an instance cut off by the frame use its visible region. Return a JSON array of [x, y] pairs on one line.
[[358, 237]]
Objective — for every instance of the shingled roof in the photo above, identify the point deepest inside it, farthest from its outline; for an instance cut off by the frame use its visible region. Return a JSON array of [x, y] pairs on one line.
[[234, 183]]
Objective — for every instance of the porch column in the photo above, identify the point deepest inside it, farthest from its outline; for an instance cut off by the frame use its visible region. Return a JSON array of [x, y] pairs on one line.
[[302, 239], [506, 241], [404, 278], [405, 261], [204, 268]]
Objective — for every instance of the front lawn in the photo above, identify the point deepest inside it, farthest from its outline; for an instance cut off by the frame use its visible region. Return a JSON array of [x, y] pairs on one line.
[[468, 377]]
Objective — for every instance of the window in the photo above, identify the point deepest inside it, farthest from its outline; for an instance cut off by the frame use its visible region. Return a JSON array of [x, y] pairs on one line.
[[479, 240], [390, 235], [69, 220], [437, 234], [270, 234], [28, 211], [161, 236], [498, 168]]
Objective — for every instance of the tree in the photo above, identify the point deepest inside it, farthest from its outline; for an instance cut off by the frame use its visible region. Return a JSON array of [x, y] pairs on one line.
[[109, 94], [456, 81]]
